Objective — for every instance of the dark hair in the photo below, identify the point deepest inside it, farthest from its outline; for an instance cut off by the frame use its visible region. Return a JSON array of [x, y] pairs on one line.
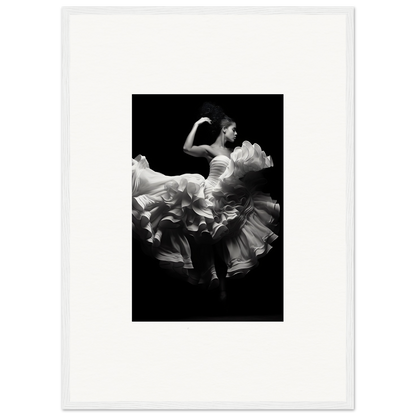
[[217, 115]]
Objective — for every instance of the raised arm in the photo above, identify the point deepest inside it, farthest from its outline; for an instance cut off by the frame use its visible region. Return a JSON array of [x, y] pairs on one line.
[[189, 148]]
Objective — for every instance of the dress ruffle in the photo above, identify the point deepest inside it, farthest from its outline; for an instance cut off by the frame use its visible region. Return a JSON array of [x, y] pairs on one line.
[[249, 214], [229, 208], [247, 158], [167, 211], [251, 236]]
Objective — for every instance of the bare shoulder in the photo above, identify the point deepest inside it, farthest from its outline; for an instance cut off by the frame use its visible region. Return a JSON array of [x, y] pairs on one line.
[[210, 150], [214, 151], [217, 151]]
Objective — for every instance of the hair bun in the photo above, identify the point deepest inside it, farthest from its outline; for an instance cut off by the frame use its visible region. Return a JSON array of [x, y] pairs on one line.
[[213, 111]]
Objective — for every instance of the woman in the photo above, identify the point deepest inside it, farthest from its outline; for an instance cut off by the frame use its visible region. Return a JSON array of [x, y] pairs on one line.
[[227, 209], [232, 188]]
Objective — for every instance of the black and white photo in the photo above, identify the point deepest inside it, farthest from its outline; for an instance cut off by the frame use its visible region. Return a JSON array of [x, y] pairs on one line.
[[207, 180]]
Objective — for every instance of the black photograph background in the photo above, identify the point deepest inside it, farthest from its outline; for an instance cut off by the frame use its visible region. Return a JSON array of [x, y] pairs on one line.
[[160, 125]]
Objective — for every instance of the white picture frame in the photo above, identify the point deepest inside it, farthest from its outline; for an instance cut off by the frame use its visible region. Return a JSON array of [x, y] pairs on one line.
[[318, 331]]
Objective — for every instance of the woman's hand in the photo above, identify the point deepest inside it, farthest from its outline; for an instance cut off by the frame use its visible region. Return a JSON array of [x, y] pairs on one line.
[[203, 120]]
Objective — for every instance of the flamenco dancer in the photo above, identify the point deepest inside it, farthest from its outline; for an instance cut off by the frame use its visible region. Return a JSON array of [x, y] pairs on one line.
[[226, 211]]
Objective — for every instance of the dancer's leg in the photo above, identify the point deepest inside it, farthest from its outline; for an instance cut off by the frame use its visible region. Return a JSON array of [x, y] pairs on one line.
[[208, 255]]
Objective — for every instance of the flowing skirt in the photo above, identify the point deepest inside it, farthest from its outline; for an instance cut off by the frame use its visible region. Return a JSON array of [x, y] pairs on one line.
[[169, 213], [178, 219]]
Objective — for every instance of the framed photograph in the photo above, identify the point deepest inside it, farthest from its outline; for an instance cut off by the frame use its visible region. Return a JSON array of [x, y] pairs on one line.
[[228, 281]]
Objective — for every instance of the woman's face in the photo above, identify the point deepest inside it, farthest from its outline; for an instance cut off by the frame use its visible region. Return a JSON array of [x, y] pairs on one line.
[[231, 133]]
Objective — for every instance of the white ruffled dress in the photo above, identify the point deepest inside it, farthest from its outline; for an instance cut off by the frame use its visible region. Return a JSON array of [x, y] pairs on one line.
[[227, 209]]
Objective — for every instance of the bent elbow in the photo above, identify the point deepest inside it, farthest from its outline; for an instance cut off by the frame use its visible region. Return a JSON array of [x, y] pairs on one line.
[[186, 149]]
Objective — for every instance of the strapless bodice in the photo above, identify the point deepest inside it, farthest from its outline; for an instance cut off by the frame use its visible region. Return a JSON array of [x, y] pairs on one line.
[[217, 166]]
